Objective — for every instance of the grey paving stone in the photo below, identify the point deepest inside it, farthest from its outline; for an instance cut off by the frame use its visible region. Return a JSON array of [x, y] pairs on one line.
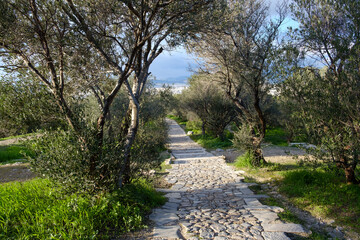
[[162, 217], [283, 227], [167, 232], [170, 205], [265, 216], [252, 202], [274, 236]]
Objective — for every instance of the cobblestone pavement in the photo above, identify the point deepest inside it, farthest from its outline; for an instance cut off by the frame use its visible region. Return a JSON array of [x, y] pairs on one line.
[[209, 200]]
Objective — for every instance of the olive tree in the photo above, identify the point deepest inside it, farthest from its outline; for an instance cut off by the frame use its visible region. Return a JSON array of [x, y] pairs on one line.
[[209, 103], [327, 100], [83, 47], [239, 49]]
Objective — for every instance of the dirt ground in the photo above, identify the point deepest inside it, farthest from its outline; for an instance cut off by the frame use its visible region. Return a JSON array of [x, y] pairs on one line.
[[15, 172], [274, 154]]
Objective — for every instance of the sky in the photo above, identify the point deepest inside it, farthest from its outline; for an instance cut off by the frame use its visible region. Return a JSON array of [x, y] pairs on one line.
[[174, 68]]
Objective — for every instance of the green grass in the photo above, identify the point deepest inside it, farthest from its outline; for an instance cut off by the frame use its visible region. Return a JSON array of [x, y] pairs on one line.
[[207, 141], [179, 120], [276, 136], [37, 210], [210, 142], [18, 136], [12, 153], [244, 161], [324, 194]]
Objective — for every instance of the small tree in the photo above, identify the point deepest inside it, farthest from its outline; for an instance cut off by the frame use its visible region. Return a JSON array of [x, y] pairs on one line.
[[209, 102]]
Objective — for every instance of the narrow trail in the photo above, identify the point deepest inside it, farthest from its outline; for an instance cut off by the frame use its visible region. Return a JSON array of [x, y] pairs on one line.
[[209, 200]]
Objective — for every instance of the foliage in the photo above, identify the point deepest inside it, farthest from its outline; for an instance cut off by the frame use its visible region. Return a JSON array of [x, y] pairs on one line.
[[324, 194], [325, 101], [209, 103], [149, 143], [246, 161], [26, 106], [240, 51], [60, 156], [38, 210], [13, 152], [211, 142], [276, 136], [243, 139]]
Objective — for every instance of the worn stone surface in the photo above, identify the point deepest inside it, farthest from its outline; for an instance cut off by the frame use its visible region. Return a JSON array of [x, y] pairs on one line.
[[274, 236], [284, 227], [209, 200]]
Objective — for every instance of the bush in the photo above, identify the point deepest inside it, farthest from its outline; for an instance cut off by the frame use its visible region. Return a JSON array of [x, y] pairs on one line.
[[149, 143], [245, 160], [194, 125], [37, 210], [243, 139], [63, 158]]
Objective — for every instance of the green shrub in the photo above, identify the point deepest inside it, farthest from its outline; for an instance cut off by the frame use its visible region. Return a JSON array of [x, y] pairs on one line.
[[149, 143], [243, 139], [244, 161], [63, 158], [37, 210], [193, 125]]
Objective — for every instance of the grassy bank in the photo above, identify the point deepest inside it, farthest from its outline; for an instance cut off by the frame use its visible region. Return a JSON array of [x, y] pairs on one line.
[[324, 194], [321, 191], [17, 136], [38, 210], [12, 153]]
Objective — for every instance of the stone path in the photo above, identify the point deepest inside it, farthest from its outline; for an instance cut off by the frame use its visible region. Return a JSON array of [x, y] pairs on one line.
[[209, 200]]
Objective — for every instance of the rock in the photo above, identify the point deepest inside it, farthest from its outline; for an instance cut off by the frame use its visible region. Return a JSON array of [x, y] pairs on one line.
[[206, 234], [217, 227]]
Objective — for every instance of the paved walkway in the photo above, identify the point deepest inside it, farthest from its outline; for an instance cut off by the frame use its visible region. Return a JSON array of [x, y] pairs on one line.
[[209, 200]]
